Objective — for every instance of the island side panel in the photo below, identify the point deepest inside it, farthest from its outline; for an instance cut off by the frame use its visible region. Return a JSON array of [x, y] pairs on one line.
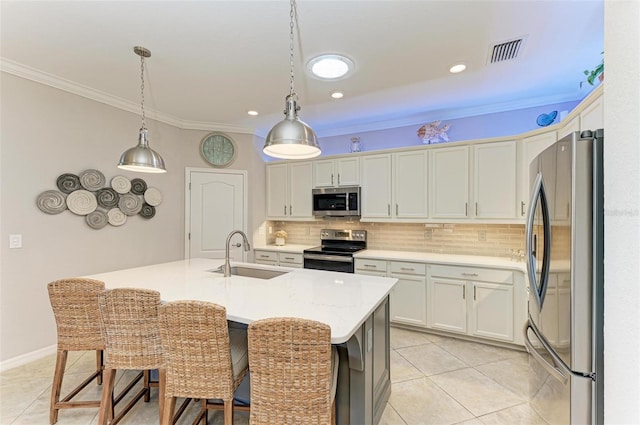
[[364, 381]]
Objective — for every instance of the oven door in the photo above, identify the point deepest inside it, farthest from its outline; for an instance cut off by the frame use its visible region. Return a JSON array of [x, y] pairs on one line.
[[334, 263]]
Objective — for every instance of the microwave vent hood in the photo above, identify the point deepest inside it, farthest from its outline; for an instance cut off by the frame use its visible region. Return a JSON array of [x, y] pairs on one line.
[[336, 201]]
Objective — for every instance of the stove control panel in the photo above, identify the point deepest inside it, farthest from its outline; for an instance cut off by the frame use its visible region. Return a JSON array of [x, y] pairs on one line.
[[343, 235]]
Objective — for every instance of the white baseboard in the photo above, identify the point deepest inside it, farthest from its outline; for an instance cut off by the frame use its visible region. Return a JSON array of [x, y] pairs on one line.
[[27, 358]]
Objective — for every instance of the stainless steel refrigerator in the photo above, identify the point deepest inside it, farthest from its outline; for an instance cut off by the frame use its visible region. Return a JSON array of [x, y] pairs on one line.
[[564, 245]]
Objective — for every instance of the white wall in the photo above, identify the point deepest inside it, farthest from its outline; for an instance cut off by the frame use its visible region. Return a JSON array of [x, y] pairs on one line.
[[622, 212], [46, 132]]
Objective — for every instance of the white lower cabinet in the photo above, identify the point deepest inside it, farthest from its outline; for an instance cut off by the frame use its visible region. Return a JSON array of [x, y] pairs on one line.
[[470, 300], [447, 304], [283, 259], [408, 300]]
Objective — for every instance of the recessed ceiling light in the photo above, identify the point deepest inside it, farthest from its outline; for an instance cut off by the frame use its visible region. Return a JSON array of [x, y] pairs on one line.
[[337, 94], [252, 113], [459, 67], [330, 67]]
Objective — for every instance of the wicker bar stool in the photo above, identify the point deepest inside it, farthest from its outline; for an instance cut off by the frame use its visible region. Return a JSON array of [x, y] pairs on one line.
[[204, 358], [75, 307], [293, 372], [132, 341]]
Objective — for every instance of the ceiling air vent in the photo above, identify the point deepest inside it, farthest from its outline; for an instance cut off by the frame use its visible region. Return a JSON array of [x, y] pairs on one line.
[[507, 50]]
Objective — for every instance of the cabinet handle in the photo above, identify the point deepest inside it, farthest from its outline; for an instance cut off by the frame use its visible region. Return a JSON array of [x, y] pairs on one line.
[[396, 209], [285, 210], [338, 179], [464, 292], [522, 208], [408, 269], [469, 274], [264, 256], [476, 208], [389, 209], [331, 179], [370, 265], [289, 258], [474, 293], [466, 210], [290, 213]]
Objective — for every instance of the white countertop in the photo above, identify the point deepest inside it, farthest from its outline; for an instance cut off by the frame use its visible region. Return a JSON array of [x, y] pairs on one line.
[[292, 248], [428, 257], [342, 300]]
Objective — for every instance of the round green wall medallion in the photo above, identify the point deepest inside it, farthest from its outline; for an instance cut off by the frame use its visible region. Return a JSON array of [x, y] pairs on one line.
[[218, 149]]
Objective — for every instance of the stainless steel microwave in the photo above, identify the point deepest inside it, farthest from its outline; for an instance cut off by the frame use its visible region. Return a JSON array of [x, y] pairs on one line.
[[336, 202]]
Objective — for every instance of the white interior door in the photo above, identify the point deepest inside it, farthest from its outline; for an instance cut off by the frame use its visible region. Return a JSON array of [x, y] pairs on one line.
[[216, 204]]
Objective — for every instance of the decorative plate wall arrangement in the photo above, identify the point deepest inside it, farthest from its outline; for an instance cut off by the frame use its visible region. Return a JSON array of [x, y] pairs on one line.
[[85, 194]]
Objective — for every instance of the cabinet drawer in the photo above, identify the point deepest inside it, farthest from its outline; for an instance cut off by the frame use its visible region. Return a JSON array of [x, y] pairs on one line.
[[266, 256], [371, 265], [289, 258], [473, 273], [408, 268]]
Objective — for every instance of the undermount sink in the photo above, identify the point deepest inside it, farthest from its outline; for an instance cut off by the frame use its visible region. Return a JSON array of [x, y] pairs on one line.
[[252, 272]]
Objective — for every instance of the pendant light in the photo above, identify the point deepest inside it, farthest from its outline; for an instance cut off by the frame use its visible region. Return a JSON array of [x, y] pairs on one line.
[[291, 138], [142, 158]]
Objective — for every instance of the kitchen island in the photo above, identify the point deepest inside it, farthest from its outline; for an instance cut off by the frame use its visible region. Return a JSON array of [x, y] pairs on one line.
[[356, 307]]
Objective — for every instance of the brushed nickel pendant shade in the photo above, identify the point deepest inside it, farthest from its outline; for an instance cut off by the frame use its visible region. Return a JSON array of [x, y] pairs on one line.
[[142, 158], [291, 138]]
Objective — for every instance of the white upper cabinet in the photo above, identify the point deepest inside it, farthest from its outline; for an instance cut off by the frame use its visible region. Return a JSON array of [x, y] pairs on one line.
[[394, 186], [449, 182], [277, 190], [531, 147], [592, 117], [376, 186], [336, 172], [410, 177], [495, 180], [289, 191]]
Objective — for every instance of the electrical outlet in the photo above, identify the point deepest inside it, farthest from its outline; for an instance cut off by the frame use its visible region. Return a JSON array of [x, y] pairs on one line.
[[482, 236], [428, 234], [270, 229], [15, 241], [261, 230]]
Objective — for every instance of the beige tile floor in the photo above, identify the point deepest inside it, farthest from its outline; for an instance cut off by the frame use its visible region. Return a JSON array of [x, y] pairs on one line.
[[435, 380]]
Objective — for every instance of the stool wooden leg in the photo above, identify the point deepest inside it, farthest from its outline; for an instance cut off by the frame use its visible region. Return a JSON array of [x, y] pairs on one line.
[[61, 362], [204, 413], [99, 365], [169, 407], [146, 386], [228, 412], [106, 402], [162, 382]]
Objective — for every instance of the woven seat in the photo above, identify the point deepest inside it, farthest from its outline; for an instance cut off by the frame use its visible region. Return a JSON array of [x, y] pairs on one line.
[[293, 372], [204, 358], [132, 342], [75, 307]]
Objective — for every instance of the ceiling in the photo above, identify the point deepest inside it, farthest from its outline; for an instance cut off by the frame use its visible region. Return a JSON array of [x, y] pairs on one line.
[[214, 60]]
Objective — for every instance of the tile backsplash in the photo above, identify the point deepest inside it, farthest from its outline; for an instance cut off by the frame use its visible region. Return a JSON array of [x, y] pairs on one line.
[[497, 240]]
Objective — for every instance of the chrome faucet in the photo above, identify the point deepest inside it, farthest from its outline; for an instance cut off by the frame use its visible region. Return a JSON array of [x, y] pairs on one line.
[[247, 247]]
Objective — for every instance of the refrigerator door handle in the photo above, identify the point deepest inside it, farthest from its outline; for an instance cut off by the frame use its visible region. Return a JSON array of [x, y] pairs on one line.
[[553, 370], [538, 192]]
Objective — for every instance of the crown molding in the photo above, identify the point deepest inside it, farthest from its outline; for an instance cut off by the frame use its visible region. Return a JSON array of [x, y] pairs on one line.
[[26, 72]]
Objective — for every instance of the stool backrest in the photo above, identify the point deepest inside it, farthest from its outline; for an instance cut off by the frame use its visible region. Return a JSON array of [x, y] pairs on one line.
[[74, 302], [291, 374], [130, 323], [195, 338]]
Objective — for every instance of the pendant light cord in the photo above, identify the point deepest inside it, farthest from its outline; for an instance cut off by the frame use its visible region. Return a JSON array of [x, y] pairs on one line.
[[142, 89], [291, 16]]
